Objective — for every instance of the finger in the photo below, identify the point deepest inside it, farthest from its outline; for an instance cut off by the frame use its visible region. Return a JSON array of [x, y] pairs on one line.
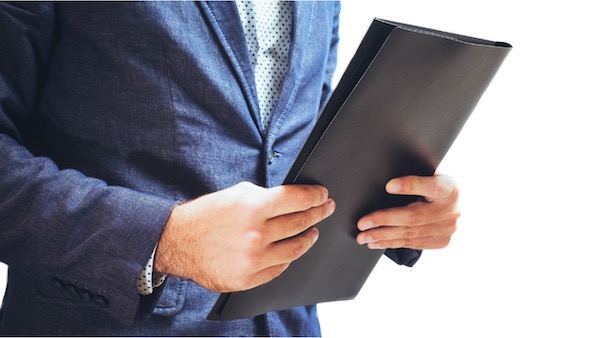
[[431, 187], [288, 250], [386, 233], [412, 243], [267, 275], [257, 279], [287, 199], [290, 225], [418, 213]]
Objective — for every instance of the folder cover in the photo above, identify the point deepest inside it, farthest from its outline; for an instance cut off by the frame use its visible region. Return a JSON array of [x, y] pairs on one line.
[[397, 109]]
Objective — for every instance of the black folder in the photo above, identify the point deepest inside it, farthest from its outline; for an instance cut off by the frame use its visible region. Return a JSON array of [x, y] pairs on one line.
[[397, 109]]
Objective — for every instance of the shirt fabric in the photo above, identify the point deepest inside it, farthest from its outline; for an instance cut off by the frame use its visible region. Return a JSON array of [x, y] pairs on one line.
[[267, 28]]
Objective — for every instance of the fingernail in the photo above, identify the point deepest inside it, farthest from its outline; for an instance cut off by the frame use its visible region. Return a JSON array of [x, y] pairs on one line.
[[331, 206], [325, 194], [366, 225], [394, 186], [374, 245], [365, 240], [316, 235]]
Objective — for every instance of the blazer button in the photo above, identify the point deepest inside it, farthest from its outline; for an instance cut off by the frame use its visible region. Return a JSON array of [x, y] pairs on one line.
[[85, 295], [273, 155], [72, 290], [100, 301], [57, 283]]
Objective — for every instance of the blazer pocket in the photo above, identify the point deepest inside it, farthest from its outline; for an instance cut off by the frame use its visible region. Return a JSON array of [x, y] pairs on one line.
[[172, 299]]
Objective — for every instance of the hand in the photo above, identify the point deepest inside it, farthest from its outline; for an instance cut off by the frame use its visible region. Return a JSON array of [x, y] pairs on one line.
[[241, 237], [420, 225]]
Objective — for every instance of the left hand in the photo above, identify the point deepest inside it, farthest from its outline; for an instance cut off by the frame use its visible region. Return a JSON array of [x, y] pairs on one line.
[[419, 225]]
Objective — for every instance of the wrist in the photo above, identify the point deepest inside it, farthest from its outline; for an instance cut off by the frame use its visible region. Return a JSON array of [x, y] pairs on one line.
[[166, 259]]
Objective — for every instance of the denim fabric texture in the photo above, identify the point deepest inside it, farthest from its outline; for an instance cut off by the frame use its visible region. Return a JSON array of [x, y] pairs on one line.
[[110, 115]]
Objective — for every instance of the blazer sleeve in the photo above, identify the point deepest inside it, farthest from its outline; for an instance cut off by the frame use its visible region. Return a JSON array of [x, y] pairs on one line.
[[58, 225]]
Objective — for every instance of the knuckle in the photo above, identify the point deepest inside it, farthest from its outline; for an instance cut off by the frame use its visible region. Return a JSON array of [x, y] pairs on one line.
[[255, 238], [306, 219], [410, 232], [248, 206], [243, 189], [246, 186], [249, 264], [304, 196], [309, 196], [295, 224], [249, 191], [408, 243], [413, 183], [302, 219], [298, 249], [412, 217]]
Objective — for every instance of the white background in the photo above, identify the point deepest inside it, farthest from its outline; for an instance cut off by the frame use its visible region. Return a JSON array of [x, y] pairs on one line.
[[524, 262]]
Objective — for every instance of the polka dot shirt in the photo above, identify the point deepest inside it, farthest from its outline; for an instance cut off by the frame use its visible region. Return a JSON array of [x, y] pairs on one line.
[[147, 280], [267, 26]]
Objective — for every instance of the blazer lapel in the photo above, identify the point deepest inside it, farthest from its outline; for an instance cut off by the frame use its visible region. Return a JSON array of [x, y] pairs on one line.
[[225, 21]]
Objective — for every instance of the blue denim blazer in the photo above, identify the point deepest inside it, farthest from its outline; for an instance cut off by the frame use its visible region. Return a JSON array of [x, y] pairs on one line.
[[110, 114]]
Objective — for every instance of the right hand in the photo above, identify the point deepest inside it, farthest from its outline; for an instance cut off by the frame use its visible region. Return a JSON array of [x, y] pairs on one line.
[[241, 237]]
